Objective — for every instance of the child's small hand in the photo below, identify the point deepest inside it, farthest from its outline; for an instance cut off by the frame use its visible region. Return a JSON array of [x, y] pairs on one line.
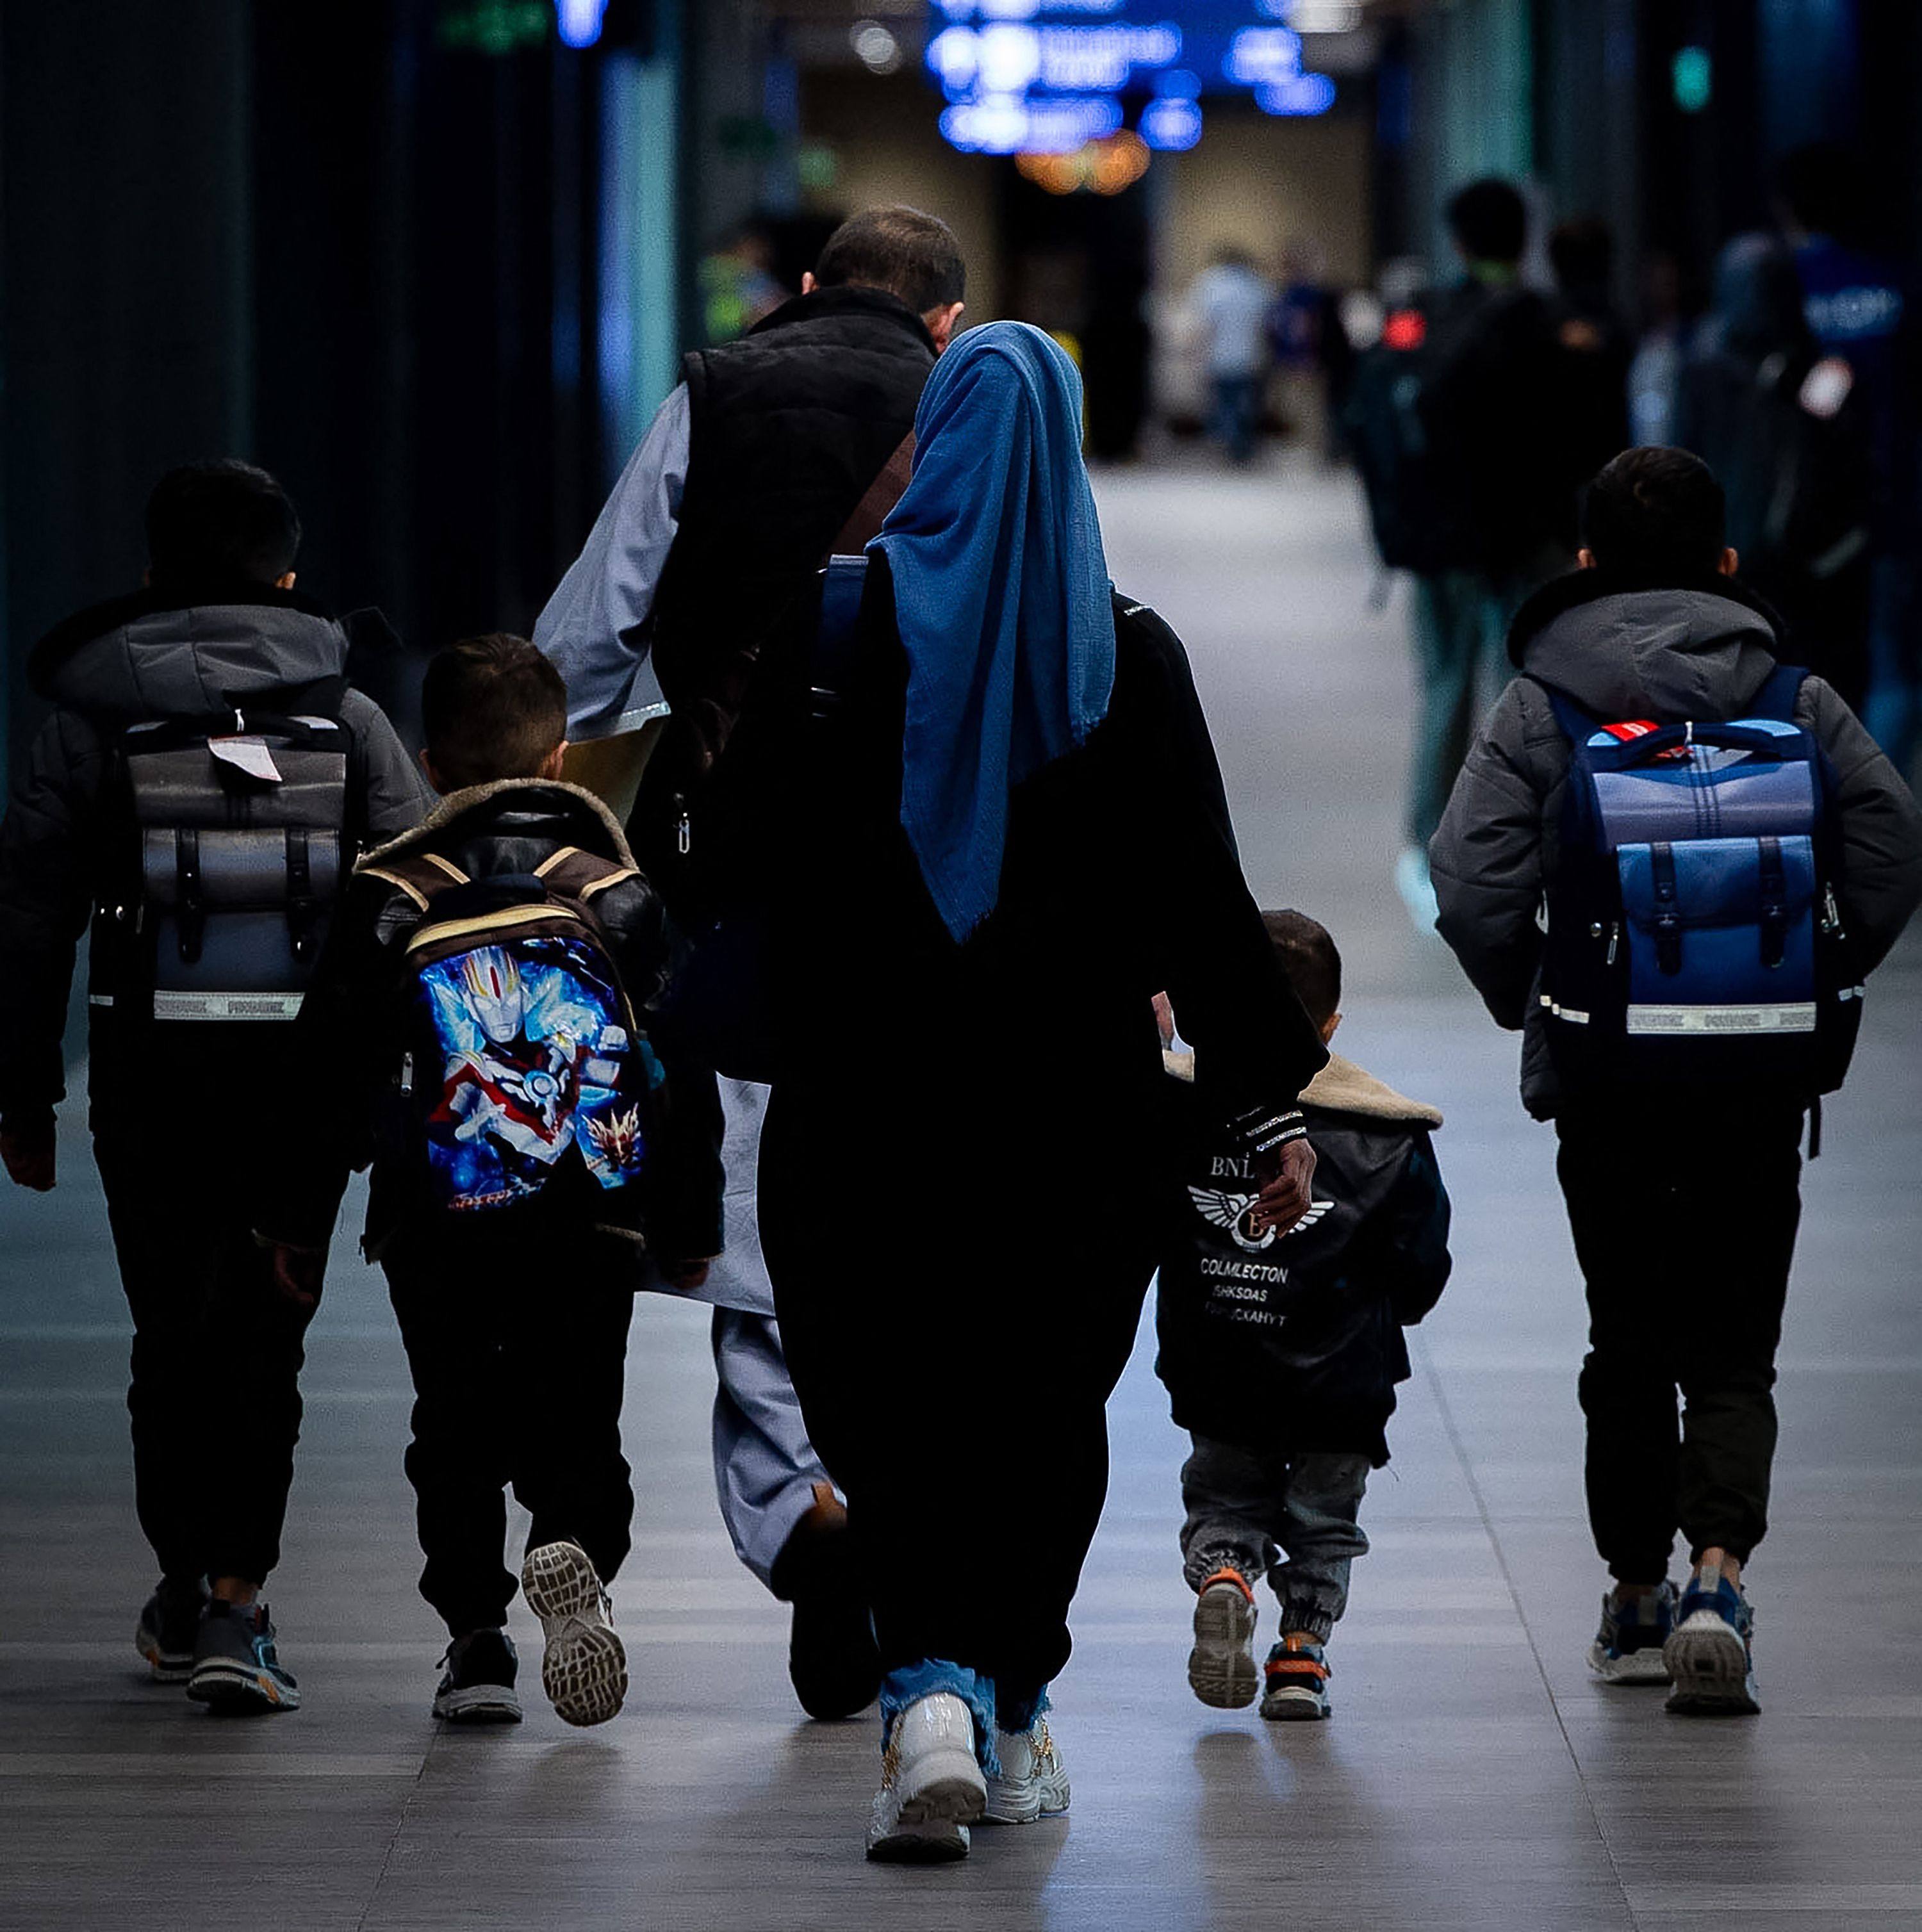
[[1283, 1200], [684, 1276]]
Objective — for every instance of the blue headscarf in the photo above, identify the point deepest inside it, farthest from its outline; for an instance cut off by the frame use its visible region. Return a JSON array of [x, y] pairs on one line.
[[1002, 595]]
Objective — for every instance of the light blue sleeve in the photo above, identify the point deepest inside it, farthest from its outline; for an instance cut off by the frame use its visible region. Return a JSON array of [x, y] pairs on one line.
[[595, 626]]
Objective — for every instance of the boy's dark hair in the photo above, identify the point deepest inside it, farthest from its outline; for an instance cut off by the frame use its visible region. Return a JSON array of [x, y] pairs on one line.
[[1655, 517], [220, 522], [1489, 220], [1308, 956], [492, 708], [910, 254]]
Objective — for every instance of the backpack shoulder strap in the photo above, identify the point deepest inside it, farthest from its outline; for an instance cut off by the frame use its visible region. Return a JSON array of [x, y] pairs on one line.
[[576, 874], [1777, 698], [422, 876]]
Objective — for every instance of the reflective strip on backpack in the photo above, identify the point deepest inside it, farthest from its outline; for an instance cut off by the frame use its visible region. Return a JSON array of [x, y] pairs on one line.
[[1796, 1017], [180, 1006]]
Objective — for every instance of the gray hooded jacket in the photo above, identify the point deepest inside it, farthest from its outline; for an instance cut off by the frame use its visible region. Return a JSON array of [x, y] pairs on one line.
[[142, 657], [1668, 655]]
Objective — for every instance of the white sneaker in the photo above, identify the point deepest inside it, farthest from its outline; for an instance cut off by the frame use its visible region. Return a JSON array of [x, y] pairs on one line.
[[932, 1788], [1221, 1667], [584, 1669], [1031, 1783]]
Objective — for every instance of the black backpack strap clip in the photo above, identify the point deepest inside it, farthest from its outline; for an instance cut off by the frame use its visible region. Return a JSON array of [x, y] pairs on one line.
[[190, 916], [303, 908], [1668, 915]]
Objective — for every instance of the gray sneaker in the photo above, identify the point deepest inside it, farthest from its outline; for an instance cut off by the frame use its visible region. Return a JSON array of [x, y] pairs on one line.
[[583, 1669], [169, 1623], [235, 1670], [478, 1686]]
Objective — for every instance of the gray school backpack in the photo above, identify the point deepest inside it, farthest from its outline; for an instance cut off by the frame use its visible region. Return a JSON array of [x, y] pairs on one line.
[[235, 834]]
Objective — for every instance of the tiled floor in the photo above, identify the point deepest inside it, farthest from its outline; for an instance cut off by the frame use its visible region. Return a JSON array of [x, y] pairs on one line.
[[1473, 1776]]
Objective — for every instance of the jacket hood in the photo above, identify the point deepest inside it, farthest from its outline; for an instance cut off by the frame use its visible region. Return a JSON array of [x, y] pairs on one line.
[[157, 654], [511, 806], [1697, 650]]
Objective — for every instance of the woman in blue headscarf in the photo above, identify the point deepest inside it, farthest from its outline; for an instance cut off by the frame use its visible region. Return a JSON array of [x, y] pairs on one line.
[[1014, 836]]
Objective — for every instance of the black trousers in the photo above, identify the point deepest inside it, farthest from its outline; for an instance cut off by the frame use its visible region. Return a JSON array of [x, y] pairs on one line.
[[1685, 1228], [515, 1324], [958, 1300], [214, 1395]]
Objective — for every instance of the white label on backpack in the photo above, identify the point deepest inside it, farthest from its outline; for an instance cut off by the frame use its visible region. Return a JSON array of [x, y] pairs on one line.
[[250, 755], [1798, 1017], [172, 1006]]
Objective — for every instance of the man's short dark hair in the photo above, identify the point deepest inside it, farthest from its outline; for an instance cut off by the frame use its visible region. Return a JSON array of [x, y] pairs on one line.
[[910, 254], [1656, 518], [1309, 957], [220, 522], [1489, 220], [492, 708]]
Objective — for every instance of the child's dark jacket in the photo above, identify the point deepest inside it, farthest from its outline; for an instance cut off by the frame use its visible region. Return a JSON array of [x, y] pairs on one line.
[[356, 1024], [1293, 1342]]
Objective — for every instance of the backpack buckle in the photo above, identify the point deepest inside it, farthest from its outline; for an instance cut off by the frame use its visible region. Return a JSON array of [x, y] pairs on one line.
[[191, 915]]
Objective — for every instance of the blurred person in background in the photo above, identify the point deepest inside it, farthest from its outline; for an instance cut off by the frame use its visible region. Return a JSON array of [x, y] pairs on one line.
[[1655, 373], [1596, 343], [1231, 299], [1790, 433], [1305, 330], [1461, 417], [1859, 302], [738, 284], [776, 450]]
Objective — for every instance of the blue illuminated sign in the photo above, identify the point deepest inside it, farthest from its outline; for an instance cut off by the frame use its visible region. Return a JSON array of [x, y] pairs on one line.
[[1043, 76]]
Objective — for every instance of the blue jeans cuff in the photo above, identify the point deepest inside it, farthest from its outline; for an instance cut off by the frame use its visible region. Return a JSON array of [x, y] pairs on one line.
[[932, 1677], [1017, 1710]]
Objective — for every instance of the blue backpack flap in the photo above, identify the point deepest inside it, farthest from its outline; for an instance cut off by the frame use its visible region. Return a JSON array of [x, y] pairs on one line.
[[1694, 936], [526, 1047]]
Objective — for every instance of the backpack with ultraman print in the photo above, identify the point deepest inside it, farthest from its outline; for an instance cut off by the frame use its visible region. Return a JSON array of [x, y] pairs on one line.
[[525, 1046]]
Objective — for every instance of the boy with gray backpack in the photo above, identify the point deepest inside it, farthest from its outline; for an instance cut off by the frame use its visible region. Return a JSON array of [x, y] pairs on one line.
[[483, 1013], [1671, 861], [196, 798]]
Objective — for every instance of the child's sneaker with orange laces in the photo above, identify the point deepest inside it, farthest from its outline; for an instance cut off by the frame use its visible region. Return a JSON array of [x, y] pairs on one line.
[[1297, 1674], [1221, 1667]]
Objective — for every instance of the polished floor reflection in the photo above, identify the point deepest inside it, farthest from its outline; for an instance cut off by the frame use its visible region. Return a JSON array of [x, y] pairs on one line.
[[1473, 1775]]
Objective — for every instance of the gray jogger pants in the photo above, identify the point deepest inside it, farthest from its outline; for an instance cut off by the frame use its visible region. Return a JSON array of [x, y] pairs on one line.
[[1289, 1518]]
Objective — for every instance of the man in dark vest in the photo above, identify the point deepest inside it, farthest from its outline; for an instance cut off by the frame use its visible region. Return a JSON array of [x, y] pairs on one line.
[[775, 451]]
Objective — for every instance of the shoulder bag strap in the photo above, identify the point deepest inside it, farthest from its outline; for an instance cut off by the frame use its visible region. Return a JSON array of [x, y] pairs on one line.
[[883, 493]]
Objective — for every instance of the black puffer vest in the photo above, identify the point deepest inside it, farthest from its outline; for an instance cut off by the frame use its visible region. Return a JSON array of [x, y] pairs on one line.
[[789, 426]]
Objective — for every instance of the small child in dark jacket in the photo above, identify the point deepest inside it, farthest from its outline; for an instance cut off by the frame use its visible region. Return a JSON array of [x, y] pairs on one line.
[[476, 1012], [1282, 1352]]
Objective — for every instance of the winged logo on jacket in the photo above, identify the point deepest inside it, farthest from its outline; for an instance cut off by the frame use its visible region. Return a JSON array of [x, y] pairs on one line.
[[1231, 1212]]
